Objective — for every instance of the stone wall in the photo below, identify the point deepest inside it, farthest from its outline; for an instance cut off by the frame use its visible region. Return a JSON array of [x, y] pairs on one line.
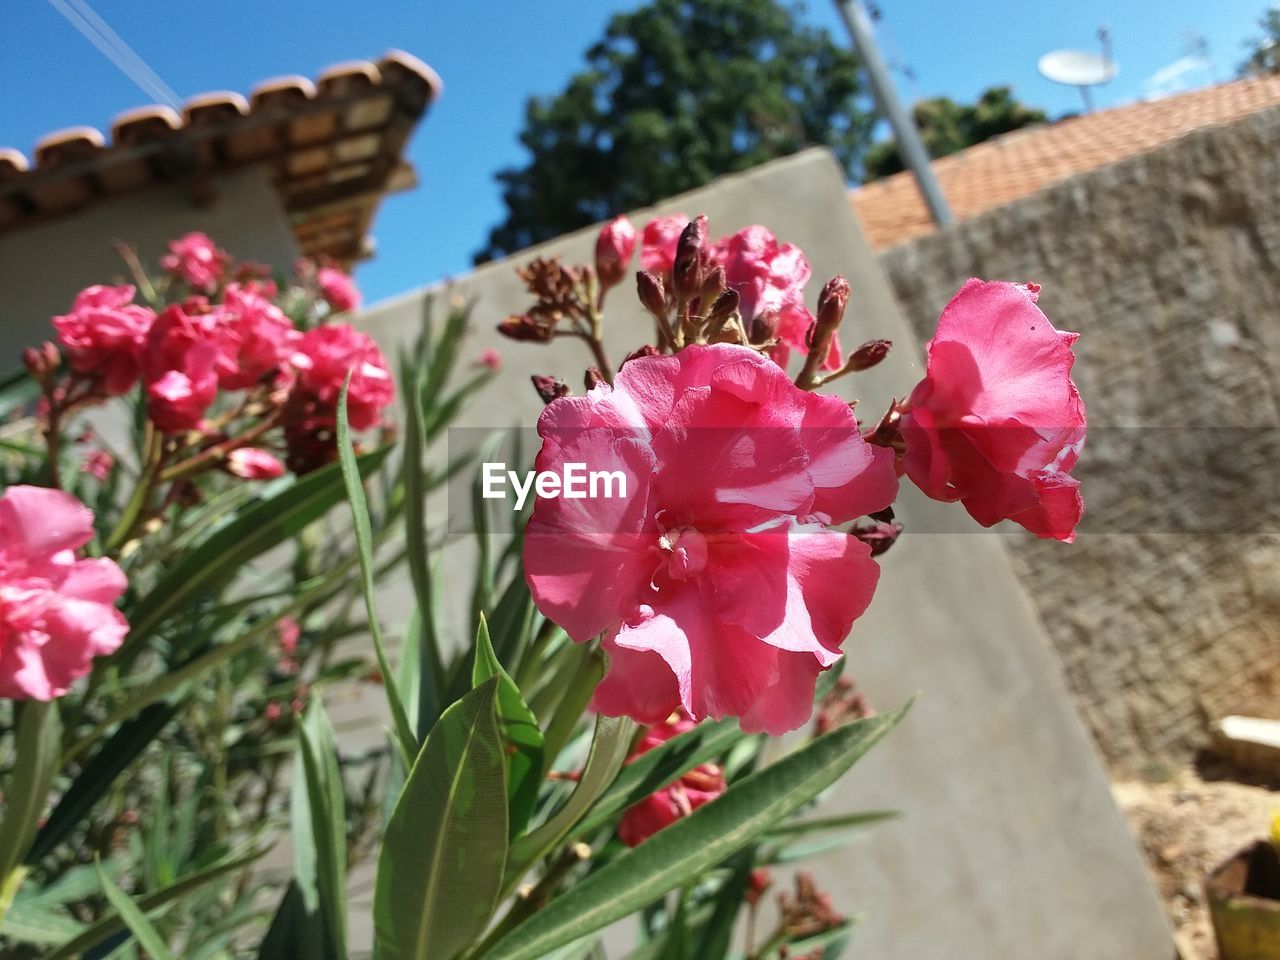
[[1166, 612]]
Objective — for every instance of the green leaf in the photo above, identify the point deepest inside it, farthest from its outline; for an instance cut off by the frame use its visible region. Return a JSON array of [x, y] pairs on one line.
[[35, 765], [445, 847], [799, 828], [148, 936], [284, 508], [17, 389], [715, 937], [433, 681], [520, 733], [694, 844], [188, 885], [327, 807], [96, 777], [664, 764], [364, 545], [609, 748], [39, 924]]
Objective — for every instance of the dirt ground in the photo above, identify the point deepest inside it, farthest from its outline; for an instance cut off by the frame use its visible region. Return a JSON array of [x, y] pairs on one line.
[[1187, 825]]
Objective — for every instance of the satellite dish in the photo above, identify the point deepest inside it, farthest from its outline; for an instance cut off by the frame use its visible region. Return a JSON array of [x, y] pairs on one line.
[[1079, 68]]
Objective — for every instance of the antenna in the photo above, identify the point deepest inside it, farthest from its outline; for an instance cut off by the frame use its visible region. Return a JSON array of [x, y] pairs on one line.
[[1079, 68]]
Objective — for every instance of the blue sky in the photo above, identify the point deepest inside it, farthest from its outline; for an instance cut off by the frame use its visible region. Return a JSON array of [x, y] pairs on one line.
[[493, 55]]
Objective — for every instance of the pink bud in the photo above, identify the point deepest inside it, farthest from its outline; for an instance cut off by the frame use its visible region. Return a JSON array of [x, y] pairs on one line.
[[614, 248], [251, 463]]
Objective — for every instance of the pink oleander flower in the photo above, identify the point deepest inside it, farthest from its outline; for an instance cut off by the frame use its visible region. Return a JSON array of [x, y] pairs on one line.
[[770, 279], [323, 357], [250, 463], [997, 422], [56, 611], [98, 464], [679, 799], [288, 632], [715, 582], [196, 259], [104, 335], [490, 359], [614, 248], [338, 289], [189, 348], [258, 335], [658, 246]]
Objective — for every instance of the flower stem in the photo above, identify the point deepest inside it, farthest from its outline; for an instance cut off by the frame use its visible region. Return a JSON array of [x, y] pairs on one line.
[[129, 518]]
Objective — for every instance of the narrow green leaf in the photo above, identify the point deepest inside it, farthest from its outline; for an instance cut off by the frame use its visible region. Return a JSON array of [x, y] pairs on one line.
[[283, 509], [95, 779], [676, 941], [799, 828], [520, 733], [578, 691], [694, 844], [35, 765], [664, 764], [148, 936], [430, 662], [327, 805], [40, 925], [444, 850], [609, 748], [364, 546], [190, 884]]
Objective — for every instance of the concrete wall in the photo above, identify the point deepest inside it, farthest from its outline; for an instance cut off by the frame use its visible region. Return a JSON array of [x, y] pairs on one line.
[[43, 267], [1166, 613], [1009, 846]]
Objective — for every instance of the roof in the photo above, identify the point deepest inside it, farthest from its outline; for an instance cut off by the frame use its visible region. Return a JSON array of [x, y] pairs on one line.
[[1017, 164], [334, 147]]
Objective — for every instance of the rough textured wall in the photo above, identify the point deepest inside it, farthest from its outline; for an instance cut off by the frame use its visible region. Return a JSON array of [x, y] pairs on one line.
[[1166, 612]]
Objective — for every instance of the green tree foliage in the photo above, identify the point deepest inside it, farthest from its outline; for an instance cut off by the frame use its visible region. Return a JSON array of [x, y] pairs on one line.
[[677, 93], [1264, 53], [948, 127]]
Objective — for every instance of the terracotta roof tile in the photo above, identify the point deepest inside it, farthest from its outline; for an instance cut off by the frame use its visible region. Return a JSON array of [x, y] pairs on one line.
[[1015, 165], [334, 148]]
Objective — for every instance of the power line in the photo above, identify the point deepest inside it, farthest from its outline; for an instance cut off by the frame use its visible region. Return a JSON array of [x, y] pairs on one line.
[[97, 31]]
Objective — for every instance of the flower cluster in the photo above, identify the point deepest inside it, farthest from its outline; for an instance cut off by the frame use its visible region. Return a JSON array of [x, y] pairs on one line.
[[703, 783], [223, 359], [723, 584]]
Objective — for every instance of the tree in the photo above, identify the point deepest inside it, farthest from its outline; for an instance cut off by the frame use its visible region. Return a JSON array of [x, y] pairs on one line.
[[1264, 57], [948, 127], [677, 93]]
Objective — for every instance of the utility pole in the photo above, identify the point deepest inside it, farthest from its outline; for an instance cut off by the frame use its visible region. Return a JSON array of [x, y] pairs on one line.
[[904, 129]]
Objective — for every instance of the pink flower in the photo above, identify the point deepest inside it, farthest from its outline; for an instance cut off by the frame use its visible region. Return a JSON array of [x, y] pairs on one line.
[[288, 631], [714, 581], [325, 355], [770, 279], [658, 247], [997, 422], [196, 259], [614, 247], [679, 799], [56, 611], [258, 335], [188, 350], [338, 289], [251, 463], [491, 359], [98, 463], [104, 334]]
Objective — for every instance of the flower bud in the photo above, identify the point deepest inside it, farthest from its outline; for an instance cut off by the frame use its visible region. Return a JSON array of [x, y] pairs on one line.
[[868, 355], [549, 388], [523, 327], [712, 285], [879, 535], [723, 307], [831, 303], [592, 378], [652, 296], [41, 361], [689, 269], [648, 350], [614, 248]]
